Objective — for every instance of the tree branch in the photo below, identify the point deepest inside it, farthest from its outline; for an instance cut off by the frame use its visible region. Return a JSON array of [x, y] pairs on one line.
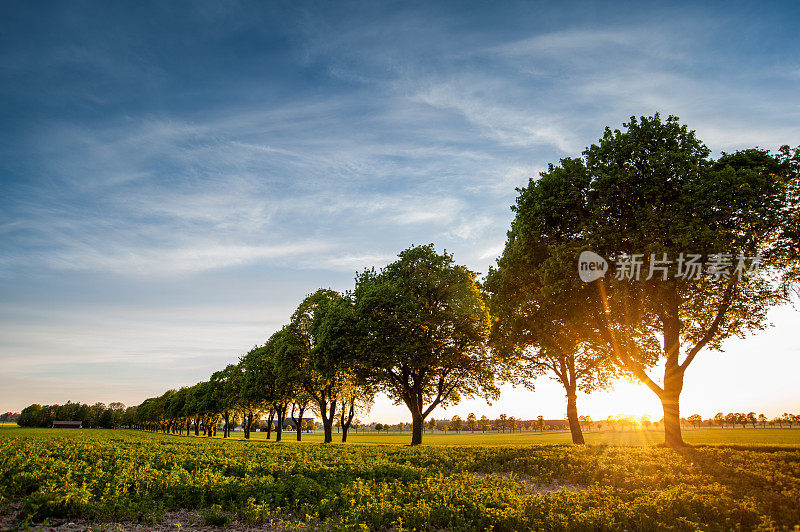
[[727, 298]]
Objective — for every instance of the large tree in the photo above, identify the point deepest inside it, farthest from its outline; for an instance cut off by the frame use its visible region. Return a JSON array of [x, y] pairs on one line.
[[423, 327], [649, 199], [543, 314]]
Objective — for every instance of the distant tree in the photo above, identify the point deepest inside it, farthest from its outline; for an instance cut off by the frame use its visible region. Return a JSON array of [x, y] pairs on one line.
[[225, 387], [719, 419], [695, 420], [262, 386], [472, 422], [432, 424], [540, 423], [456, 423], [762, 419], [502, 422], [788, 419], [483, 423], [752, 418], [423, 327]]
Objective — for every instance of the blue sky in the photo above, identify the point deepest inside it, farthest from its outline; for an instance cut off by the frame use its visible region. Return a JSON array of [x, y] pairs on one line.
[[175, 177]]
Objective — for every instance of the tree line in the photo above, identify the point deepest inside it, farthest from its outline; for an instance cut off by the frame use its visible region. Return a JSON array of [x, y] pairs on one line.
[[416, 330], [97, 415]]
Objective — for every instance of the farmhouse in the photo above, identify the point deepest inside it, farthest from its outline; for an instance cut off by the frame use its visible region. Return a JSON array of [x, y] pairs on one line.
[[67, 424]]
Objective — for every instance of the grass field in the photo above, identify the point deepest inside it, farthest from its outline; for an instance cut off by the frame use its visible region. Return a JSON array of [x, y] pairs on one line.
[[636, 437], [701, 436], [510, 483]]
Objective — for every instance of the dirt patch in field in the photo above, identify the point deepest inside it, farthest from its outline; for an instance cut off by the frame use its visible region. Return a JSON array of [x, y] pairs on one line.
[[174, 521], [535, 485]]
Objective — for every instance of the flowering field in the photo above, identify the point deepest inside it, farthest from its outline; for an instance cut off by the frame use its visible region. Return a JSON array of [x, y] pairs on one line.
[[133, 476]]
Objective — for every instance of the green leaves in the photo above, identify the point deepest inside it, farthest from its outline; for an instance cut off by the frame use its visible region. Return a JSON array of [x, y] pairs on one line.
[[423, 327]]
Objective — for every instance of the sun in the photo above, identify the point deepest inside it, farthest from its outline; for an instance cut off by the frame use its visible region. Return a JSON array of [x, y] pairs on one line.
[[623, 397]]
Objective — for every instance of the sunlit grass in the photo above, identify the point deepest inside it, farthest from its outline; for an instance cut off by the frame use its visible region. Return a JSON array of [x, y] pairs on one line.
[[634, 438]]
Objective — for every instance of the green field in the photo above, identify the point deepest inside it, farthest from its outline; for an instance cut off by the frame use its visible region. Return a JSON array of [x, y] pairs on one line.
[[511, 483], [635, 437], [702, 436]]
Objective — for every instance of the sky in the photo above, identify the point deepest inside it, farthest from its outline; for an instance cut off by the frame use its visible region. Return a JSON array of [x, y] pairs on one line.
[[176, 177]]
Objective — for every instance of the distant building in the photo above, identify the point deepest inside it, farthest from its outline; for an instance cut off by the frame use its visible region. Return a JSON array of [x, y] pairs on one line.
[[67, 424]]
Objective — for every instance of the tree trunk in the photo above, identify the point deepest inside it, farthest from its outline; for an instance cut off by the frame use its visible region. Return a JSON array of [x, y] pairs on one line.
[[347, 420], [281, 414], [298, 422], [673, 373], [328, 414], [572, 416], [672, 420], [416, 427], [269, 424]]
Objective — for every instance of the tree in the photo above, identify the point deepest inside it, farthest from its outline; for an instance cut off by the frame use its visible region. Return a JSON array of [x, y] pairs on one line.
[[502, 422], [261, 388], [695, 420], [483, 423], [472, 422], [752, 418], [456, 423], [225, 387], [762, 419], [545, 321], [652, 192], [423, 327], [318, 350], [431, 424]]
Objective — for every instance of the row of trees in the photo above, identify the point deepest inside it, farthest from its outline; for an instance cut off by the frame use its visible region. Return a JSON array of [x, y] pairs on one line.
[[295, 372], [732, 419], [416, 330], [420, 329], [472, 424], [97, 415]]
